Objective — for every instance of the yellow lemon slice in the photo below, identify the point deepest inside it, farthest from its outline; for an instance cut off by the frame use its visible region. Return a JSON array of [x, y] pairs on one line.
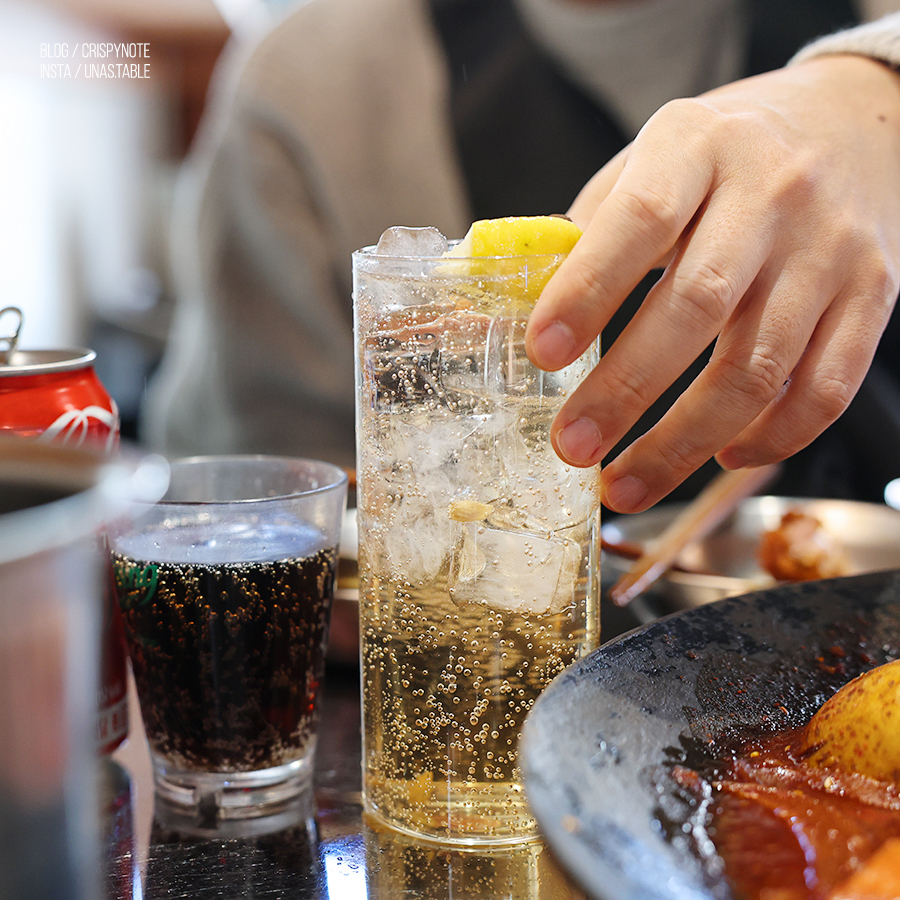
[[469, 510], [519, 236], [519, 250]]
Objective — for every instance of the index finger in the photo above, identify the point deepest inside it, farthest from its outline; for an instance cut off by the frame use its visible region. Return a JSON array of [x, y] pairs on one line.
[[661, 186]]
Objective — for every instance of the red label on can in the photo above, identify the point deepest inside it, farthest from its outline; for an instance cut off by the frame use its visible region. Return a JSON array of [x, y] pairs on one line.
[[69, 407], [56, 396]]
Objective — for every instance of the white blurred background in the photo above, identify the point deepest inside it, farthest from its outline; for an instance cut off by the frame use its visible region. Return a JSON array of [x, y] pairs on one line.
[[87, 169]]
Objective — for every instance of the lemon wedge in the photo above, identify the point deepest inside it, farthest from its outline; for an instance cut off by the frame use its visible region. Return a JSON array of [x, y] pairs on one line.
[[522, 250], [519, 236], [469, 510]]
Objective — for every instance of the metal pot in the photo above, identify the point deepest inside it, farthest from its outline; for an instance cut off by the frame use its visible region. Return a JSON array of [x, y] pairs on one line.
[[725, 563]]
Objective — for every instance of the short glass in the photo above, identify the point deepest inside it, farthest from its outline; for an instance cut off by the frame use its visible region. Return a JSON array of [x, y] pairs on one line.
[[479, 558], [225, 587]]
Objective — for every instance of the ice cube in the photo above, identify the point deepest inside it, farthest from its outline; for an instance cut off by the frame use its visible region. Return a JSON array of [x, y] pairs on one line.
[[402, 371], [428, 443], [466, 350], [508, 369], [413, 243], [424, 457], [467, 562], [550, 496], [409, 542], [516, 571]]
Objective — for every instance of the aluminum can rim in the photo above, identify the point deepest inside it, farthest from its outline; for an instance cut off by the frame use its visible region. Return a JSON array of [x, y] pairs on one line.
[[44, 362]]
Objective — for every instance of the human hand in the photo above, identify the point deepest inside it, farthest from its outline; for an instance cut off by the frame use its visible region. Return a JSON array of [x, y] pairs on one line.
[[774, 204]]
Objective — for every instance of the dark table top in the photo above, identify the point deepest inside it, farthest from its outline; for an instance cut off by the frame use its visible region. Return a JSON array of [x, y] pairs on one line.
[[320, 849]]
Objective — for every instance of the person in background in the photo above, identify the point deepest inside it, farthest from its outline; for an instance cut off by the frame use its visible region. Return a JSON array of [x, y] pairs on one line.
[[775, 202]]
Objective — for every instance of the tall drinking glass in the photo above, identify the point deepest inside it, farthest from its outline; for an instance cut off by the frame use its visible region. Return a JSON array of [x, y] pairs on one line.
[[479, 560], [225, 587]]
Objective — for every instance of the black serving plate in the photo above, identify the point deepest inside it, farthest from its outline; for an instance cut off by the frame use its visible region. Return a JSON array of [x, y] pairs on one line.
[[599, 746]]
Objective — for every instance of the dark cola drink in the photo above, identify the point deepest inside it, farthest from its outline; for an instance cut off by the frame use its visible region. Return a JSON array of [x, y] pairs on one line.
[[227, 656]]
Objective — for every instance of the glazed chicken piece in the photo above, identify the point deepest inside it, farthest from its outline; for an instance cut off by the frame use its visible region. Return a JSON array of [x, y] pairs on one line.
[[801, 549]]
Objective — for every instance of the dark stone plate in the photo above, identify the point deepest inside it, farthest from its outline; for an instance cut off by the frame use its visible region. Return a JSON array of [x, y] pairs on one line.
[[599, 746]]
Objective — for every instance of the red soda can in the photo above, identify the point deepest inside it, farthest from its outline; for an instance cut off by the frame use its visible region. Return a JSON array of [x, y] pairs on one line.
[[56, 396]]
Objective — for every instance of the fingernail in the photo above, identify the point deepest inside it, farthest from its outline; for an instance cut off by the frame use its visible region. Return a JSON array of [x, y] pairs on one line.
[[554, 346], [625, 493], [579, 442]]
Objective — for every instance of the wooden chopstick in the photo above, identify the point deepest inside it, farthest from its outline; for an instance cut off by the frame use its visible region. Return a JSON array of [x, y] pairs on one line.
[[635, 550], [625, 549], [713, 504]]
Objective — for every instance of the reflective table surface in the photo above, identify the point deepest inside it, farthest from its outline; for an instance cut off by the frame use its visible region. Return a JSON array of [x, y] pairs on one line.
[[321, 848]]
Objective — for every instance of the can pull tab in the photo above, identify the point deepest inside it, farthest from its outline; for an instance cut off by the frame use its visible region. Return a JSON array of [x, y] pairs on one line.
[[8, 341]]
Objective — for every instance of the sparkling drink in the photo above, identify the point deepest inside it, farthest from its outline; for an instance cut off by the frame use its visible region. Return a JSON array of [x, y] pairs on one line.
[[478, 557], [228, 657], [225, 588]]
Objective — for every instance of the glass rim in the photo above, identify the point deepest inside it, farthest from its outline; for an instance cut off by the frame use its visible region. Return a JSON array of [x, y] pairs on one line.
[[338, 478], [369, 252], [91, 490]]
